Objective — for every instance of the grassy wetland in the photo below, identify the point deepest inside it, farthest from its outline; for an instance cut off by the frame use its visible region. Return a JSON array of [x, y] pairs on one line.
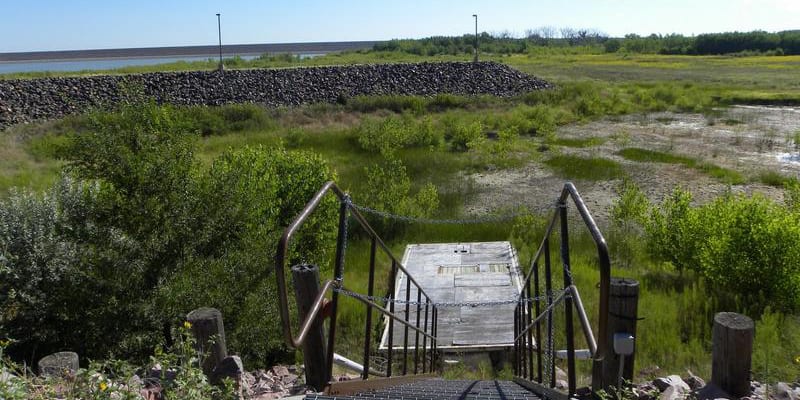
[[688, 162]]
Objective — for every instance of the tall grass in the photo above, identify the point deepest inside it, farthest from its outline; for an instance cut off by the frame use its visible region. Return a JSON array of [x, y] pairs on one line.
[[724, 175], [593, 169]]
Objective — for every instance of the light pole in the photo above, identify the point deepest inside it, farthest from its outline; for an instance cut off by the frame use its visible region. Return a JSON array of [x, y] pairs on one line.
[[219, 32], [476, 36]]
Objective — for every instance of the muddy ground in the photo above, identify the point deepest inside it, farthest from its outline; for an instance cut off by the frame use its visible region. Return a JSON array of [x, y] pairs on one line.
[[748, 139]]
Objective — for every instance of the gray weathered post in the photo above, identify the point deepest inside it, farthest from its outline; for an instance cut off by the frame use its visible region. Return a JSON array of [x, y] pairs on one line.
[[306, 290], [732, 351], [209, 334], [623, 312]]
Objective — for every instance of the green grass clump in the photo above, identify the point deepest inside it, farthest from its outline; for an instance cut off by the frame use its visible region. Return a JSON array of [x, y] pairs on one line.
[[592, 169], [776, 179], [724, 175]]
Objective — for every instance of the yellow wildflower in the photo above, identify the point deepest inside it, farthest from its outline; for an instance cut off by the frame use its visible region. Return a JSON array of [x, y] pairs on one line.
[[103, 386], [187, 325], [797, 359]]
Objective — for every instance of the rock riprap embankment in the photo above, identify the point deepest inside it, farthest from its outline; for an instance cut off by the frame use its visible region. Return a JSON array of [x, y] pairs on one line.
[[25, 100]]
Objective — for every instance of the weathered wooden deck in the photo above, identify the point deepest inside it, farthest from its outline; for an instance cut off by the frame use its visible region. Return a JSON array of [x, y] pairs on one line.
[[463, 272]]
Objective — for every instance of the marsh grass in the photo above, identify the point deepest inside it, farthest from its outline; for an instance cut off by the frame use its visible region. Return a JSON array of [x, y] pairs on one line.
[[592, 169], [722, 174], [776, 179]]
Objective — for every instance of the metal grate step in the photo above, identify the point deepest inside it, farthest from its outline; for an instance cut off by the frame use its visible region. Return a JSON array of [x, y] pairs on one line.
[[442, 389]]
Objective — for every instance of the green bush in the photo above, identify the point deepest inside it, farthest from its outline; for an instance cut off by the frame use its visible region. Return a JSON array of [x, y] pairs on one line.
[[388, 189], [390, 134], [746, 246], [148, 234], [465, 136]]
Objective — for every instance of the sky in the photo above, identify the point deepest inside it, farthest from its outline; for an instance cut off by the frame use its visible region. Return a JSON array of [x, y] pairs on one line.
[[43, 25]]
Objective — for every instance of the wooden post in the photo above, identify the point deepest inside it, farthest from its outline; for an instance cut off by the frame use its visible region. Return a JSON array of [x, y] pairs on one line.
[[209, 334], [732, 351], [306, 289], [622, 307]]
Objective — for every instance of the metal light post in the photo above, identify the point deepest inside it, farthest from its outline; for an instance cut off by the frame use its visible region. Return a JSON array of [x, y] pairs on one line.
[[476, 36], [219, 31]]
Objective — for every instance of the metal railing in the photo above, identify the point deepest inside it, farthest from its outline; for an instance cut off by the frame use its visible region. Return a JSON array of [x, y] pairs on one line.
[[529, 316], [425, 329]]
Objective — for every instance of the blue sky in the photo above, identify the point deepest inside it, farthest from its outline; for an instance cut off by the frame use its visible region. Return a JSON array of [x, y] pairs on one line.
[[34, 25]]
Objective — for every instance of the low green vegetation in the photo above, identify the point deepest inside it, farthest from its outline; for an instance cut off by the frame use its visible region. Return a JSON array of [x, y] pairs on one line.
[[109, 255], [117, 379], [734, 253], [724, 175], [188, 201], [593, 169]]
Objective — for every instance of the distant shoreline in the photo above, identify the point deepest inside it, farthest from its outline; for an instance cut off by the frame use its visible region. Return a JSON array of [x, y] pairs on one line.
[[185, 51]]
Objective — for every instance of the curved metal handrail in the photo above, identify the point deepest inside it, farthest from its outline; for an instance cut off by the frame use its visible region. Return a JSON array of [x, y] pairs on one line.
[[598, 348], [283, 250]]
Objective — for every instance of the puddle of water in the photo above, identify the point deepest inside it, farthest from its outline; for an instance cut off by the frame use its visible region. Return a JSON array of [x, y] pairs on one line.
[[789, 158]]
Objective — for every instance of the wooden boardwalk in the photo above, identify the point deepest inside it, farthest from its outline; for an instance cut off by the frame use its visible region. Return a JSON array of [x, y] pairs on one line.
[[457, 273]]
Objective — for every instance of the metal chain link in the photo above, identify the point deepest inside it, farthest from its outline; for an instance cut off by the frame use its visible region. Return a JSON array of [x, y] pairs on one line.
[[452, 221], [386, 300]]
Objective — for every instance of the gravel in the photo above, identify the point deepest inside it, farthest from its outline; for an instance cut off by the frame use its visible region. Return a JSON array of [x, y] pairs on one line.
[[26, 100]]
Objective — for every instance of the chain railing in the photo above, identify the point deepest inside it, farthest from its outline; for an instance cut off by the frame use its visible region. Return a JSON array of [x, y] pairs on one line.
[[426, 330], [534, 306], [529, 315]]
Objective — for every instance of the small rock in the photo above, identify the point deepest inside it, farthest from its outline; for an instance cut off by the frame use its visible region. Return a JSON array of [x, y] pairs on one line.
[[694, 382], [711, 392], [6, 376], [674, 392], [673, 380], [561, 384], [782, 391], [646, 391], [560, 374], [279, 370], [228, 367], [63, 364]]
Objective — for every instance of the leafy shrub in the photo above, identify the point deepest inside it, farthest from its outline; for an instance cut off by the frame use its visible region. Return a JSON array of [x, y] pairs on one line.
[[627, 215], [388, 189], [390, 134], [146, 234], [465, 136], [746, 246]]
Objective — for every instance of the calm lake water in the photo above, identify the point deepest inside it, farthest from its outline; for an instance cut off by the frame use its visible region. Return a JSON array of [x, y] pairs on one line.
[[102, 64]]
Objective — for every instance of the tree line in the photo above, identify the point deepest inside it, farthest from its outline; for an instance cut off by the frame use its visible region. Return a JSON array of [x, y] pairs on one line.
[[755, 42]]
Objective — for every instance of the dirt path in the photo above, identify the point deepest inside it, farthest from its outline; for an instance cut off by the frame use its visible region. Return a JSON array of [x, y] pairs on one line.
[[747, 139]]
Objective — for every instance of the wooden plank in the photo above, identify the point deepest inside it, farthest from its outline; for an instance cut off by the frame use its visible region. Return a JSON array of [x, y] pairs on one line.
[[484, 279], [485, 325], [492, 275], [481, 293]]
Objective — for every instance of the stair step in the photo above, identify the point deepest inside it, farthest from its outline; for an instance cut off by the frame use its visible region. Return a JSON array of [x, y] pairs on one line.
[[432, 389]]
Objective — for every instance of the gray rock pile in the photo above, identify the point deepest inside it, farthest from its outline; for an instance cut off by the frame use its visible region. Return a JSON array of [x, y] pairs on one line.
[[674, 387], [48, 98]]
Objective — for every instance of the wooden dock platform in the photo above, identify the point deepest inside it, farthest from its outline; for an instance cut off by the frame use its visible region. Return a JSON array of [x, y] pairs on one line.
[[458, 273]]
